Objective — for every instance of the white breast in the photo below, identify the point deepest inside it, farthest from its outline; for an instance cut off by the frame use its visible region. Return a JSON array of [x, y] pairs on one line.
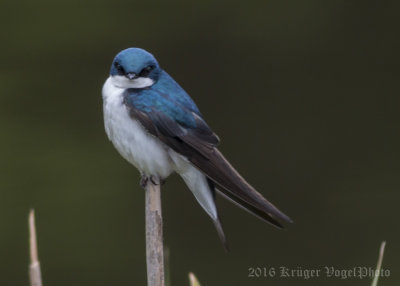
[[131, 140], [146, 152]]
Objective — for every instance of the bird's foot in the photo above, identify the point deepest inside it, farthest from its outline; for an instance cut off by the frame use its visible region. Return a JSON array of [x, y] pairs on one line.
[[153, 179], [156, 180], [143, 181]]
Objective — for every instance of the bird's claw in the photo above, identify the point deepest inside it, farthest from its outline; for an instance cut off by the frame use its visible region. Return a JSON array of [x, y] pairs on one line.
[[156, 180], [143, 181], [153, 179]]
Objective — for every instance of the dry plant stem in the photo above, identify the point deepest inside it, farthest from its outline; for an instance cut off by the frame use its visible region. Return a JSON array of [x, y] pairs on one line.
[[154, 235], [379, 264], [193, 280], [35, 276]]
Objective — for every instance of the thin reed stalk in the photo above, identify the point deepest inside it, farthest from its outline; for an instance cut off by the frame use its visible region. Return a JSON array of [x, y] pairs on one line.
[[154, 235], [35, 276]]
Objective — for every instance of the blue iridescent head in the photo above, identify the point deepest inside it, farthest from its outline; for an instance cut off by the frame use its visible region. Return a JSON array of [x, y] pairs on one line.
[[134, 68]]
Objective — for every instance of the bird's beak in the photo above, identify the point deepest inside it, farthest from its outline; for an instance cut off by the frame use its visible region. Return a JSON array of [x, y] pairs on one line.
[[131, 75]]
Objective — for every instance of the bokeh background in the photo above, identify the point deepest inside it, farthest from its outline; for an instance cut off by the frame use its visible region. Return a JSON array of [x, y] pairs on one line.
[[304, 94]]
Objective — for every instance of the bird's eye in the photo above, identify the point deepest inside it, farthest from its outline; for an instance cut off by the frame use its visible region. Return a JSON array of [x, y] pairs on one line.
[[119, 68], [146, 71]]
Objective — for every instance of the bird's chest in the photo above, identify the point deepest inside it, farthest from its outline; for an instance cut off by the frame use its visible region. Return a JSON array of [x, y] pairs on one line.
[[131, 140]]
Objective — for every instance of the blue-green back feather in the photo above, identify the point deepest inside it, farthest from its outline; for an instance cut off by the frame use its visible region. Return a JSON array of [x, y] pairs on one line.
[[167, 97]]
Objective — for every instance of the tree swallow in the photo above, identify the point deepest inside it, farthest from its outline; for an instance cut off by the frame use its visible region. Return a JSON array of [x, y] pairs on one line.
[[156, 126]]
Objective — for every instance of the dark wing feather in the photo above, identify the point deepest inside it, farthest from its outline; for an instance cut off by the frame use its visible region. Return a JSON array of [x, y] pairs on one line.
[[199, 146]]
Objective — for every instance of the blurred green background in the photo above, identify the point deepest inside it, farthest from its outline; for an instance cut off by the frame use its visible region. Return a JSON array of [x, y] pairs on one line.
[[304, 94]]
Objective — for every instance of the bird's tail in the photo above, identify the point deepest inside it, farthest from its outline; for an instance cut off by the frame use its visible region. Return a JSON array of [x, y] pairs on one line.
[[204, 191], [234, 187]]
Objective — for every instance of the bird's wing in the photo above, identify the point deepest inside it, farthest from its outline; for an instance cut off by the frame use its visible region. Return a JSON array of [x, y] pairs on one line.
[[193, 139]]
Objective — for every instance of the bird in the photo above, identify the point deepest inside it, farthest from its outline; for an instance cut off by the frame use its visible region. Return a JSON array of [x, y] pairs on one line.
[[157, 127]]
